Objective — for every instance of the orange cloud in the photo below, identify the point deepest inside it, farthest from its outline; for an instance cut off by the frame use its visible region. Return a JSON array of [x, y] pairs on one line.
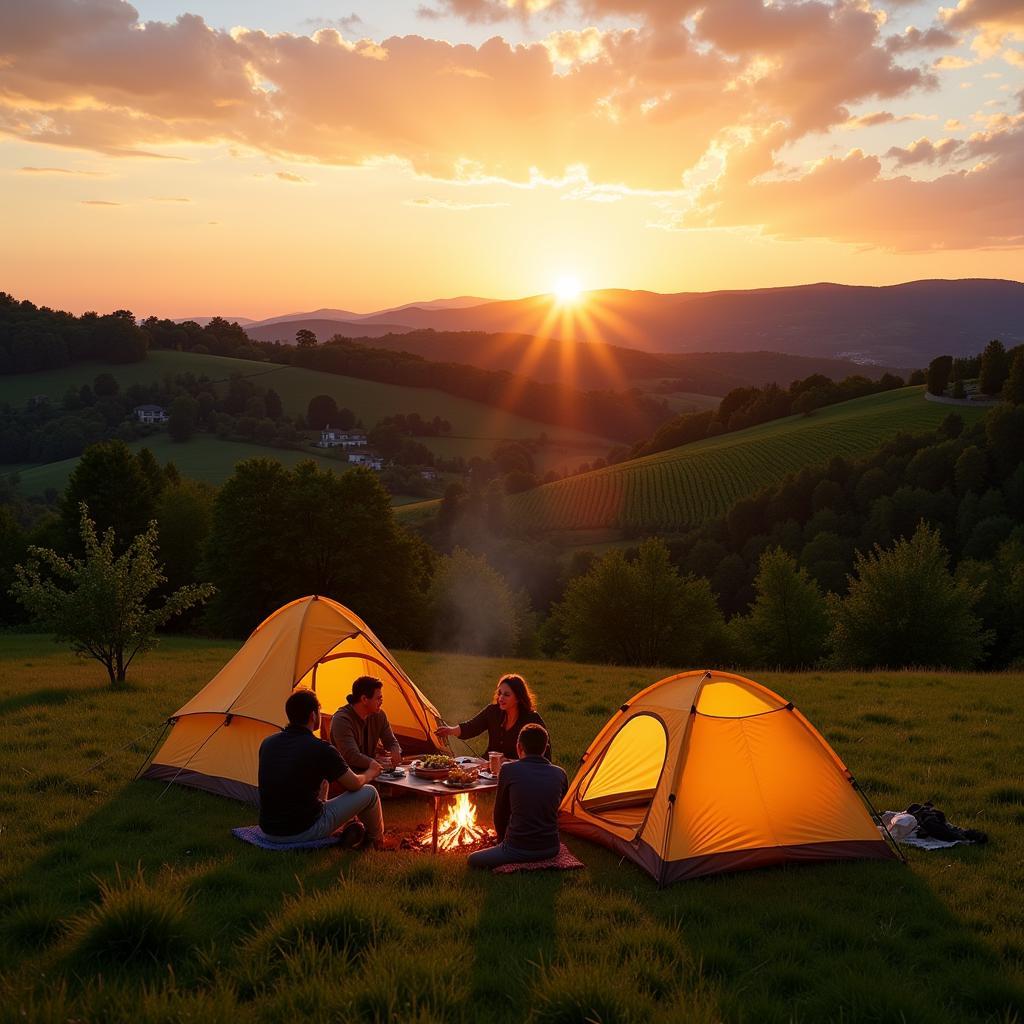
[[654, 108], [848, 199]]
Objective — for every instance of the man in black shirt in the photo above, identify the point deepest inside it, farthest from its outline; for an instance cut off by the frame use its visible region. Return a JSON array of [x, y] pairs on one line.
[[295, 770], [526, 805]]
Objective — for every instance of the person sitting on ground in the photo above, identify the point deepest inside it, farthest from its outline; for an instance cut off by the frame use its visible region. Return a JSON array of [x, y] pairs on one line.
[[295, 768], [526, 805], [513, 709], [360, 726]]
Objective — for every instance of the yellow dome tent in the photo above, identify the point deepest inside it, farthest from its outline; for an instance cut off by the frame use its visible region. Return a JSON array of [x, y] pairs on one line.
[[313, 642], [706, 772]]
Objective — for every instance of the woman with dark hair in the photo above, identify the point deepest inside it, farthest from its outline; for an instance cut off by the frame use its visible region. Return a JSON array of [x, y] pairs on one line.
[[514, 706]]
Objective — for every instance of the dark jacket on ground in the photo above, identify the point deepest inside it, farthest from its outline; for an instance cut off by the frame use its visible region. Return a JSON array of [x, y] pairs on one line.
[[357, 739], [293, 764], [492, 721], [526, 804]]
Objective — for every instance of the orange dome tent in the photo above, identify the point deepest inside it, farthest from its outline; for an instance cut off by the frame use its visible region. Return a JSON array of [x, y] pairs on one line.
[[313, 642], [706, 772]]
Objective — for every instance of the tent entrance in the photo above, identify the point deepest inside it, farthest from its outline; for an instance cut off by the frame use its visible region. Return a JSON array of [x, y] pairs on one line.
[[623, 782]]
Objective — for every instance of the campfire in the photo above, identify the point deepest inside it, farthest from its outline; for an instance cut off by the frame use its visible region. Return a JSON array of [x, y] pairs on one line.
[[457, 829]]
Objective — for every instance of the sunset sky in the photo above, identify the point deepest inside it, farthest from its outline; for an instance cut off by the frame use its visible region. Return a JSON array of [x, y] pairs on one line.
[[252, 158]]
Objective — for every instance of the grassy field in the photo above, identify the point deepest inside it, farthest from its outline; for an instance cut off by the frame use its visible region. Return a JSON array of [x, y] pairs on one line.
[[127, 900], [688, 485]]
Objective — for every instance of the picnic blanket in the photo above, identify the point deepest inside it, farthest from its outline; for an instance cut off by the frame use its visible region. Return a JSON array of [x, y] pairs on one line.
[[564, 860], [928, 843], [254, 834]]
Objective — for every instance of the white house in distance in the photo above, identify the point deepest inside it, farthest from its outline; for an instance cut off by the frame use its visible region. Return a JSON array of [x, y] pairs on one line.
[[334, 438], [365, 458], [151, 414]]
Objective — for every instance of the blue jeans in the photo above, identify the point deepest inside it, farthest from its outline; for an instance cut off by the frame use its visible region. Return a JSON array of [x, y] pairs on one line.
[[363, 802], [495, 856]]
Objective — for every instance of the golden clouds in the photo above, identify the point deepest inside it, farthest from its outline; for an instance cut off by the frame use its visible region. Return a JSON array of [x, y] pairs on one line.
[[651, 108]]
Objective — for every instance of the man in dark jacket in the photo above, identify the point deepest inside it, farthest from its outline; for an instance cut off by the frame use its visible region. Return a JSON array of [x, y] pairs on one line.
[[526, 805], [294, 771]]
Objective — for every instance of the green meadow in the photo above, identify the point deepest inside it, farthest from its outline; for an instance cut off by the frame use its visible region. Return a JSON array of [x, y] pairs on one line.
[[688, 485], [126, 900]]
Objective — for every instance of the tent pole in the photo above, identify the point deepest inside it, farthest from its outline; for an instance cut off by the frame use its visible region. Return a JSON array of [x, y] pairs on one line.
[[878, 818], [152, 751]]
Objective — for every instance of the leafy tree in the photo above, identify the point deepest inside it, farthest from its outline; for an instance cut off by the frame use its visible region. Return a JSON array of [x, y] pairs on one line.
[[118, 487], [939, 370], [472, 607], [246, 552], [184, 513], [788, 623], [971, 470], [105, 385], [274, 407], [98, 603], [1013, 389], [278, 534], [305, 338], [181, 421], [904, 608], [995, 368], [321, 412], [639, 613]]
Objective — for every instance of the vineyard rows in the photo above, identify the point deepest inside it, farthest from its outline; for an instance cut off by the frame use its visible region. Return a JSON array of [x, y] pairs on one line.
[[683, 487]]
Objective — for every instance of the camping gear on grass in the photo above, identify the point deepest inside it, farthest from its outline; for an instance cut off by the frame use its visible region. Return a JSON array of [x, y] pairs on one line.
[[706, 772], [313, 642]]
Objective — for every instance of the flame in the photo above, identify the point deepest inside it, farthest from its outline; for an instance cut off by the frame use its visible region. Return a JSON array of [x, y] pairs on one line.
[[459, 826]]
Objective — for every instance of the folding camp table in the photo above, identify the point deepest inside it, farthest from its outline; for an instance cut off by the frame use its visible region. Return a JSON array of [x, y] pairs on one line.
[[436, 790]]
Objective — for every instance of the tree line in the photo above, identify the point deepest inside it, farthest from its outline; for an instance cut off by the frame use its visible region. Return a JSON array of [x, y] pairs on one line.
[[748, 406], [39, 338]]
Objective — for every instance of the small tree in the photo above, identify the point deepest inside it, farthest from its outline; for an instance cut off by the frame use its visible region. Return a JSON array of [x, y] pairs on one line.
[[472, 607], [321, 411], [98, 603], [995, 368], [639, 612], [181, 424], [305, 338], [788, 622], [905, 608], [939, 370], [1013, 389]]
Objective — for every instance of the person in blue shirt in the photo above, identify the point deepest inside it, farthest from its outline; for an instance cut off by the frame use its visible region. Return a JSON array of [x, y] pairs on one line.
[[526, 805]]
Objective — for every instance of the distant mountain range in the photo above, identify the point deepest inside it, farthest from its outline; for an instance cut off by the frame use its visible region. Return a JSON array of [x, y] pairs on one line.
[[902, 325]]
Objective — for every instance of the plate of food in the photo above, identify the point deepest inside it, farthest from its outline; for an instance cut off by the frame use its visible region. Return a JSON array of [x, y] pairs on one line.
[[392, 773], [433, 766], [462, 778]]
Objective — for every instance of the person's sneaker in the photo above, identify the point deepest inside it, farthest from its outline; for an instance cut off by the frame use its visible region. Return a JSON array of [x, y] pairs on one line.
[[352, 836]]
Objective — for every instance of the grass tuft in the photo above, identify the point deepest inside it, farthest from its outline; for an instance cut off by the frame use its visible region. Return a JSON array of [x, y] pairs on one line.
[[345, 922], [1013, 795], [134, 924]]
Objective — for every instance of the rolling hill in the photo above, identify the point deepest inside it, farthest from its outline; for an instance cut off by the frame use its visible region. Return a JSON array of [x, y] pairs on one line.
[[899, 325], [685, 486], [589, 366], [285, 330], [476, 428]]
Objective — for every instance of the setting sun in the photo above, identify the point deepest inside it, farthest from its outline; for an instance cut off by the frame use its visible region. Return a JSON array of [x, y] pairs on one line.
[[567, 289]]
